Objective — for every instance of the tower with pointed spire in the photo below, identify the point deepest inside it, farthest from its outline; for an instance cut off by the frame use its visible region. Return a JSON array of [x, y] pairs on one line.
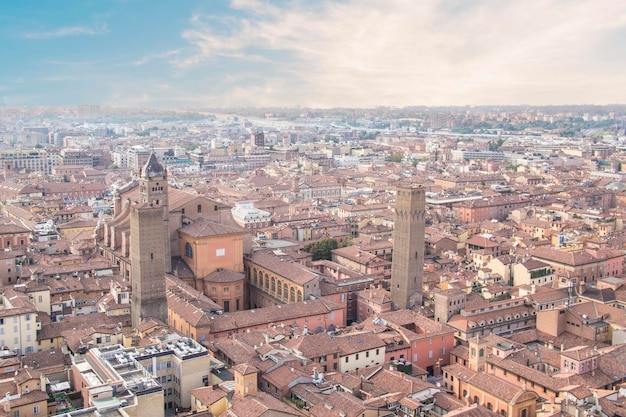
[[149, 244], [407, 266]]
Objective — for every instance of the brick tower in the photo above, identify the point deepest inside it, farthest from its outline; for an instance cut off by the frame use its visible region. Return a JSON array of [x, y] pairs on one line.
[[149, 244], [408, 248]]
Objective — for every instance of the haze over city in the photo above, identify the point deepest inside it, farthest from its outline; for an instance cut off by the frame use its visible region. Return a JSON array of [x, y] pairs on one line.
[[350, 53]]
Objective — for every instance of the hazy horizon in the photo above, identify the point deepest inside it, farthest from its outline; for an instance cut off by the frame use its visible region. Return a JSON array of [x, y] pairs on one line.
[[319, 55]]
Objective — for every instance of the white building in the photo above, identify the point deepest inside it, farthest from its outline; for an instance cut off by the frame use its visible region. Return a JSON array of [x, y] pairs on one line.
[[246, 215]]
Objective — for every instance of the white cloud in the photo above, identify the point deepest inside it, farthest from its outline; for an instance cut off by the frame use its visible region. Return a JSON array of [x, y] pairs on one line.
[[67, 31], [403, 52], [149, 58]]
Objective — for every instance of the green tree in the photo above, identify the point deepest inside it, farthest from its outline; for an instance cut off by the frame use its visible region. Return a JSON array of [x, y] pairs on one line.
[[396, 157], [322, 249], [346, 243]]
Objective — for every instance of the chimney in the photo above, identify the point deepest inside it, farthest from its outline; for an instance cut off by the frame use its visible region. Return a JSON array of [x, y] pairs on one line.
[[581, 287], [533, 288]]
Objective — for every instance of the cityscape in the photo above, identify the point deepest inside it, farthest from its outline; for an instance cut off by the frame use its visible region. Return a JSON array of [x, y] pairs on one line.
[[345, 208], [413, 261]]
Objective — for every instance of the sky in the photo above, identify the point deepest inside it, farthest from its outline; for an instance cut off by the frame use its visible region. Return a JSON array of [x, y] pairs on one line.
[[192, 54]]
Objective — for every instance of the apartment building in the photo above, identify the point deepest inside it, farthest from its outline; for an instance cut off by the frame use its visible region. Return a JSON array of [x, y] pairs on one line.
[[354, 258], [34, 160], [111, 377], [359, 350], [586, 264], [26, 395], [498, 208], [18, 322], [497, 317]]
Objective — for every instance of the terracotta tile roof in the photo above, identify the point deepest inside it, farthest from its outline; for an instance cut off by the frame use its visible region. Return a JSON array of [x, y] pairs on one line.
[[234, 350], [201, 227], [575, 258], [224, 275], [447, 401], [32, 397], [386, 381], [260, 405], [208, 395], [379, 296], [313, 346], [465, 323], [275, 314], [339, 404], [245, 369], [283, 375], [56, 329], [473, 410], [284, 266], [498, 387], [358, 342]]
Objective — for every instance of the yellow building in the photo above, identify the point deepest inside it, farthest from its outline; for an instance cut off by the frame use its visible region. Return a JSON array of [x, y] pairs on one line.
[[18, 322], [490, 391], [28, 396], [209, 399]]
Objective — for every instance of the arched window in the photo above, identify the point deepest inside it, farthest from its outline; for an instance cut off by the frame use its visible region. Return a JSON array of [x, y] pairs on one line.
[[299, 295], [293, 294], [267, 282], [254, 275], [273, 284], [280, 289], [481, 353], [286, 292], [188, 250]]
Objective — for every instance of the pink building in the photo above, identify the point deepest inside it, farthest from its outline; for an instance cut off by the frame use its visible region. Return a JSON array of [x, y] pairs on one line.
[[372, 302]]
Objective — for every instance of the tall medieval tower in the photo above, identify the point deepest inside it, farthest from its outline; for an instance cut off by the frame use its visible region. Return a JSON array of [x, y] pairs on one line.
[[407, 267], [149, 244]]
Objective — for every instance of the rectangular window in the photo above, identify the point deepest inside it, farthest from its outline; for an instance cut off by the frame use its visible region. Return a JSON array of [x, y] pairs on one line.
[[220, 252], [430, 354], [199, 208]]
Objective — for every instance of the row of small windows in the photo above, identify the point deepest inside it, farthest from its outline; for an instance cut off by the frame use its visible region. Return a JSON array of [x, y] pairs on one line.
[[500, 320]]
